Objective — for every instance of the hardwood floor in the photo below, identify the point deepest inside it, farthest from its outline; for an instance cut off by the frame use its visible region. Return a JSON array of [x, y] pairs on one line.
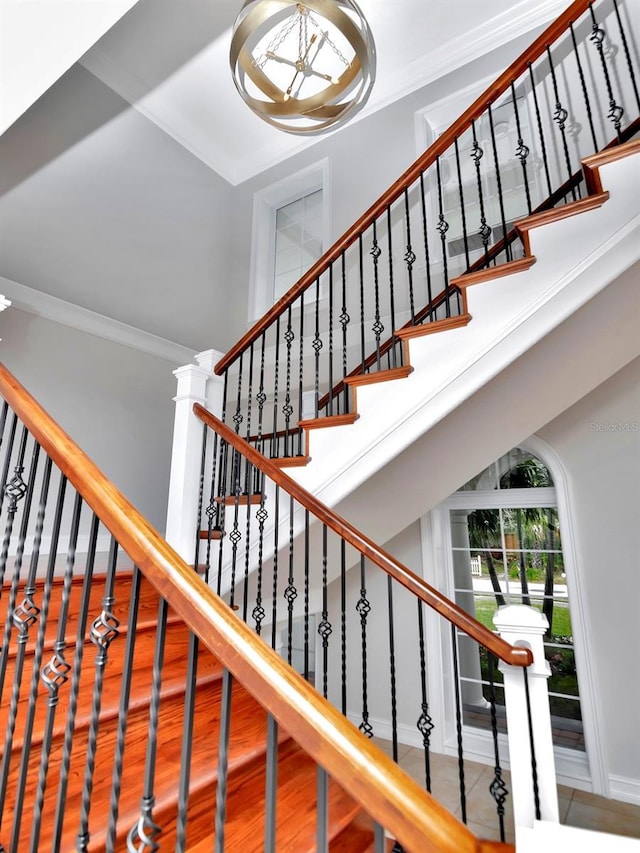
[[82, 746]]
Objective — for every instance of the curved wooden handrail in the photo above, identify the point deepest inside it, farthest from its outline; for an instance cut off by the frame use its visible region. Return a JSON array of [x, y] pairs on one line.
[[494, 91], [419, 822], [514, 655]]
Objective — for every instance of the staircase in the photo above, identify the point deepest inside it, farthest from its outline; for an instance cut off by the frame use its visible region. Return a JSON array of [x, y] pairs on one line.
[[348, 829]]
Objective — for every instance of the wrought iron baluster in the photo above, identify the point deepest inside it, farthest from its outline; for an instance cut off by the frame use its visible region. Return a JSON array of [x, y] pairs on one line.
[[425, 723], [343, 622], [104, 631], [287, 409], [142, 835], [322, 813], [409, 255], [377, 327], [627, 54], [301, 374], [543, 146], [330, 336], [324, 628], [18, 490], [560, 117], [534, 763], [392, 670], [238, 417], [274, 603], [616, 111], [425, 237], [276, 372], [363, 353], [306, 594], [261, 397], [496, 165], [363, 608], [442, 227], [498, 789], [37, 662], [583, 86], [345, 319], [463, 213], [223, 761], [186, 750], [258, 612], [250, 398], [55, 675], [290, 593], [234, 536], [123, 710], [247, 549], [14, 490], [485, 229], [25, 616], [393, 354], [522, 151], [271, 786], [223, 489], [317, 346], [8, 455], [456, 681]]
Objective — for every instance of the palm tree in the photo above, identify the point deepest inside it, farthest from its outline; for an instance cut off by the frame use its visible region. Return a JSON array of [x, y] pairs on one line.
[[484, 526]]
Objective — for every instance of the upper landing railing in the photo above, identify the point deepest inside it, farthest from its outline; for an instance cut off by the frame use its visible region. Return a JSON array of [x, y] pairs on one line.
[[516, 150]]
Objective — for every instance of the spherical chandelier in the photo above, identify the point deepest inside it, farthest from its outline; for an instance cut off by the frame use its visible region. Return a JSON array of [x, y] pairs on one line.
[[302, 67]]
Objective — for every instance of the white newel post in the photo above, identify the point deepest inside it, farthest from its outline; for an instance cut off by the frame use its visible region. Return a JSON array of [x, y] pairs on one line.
[[196, 384], [525, 626]]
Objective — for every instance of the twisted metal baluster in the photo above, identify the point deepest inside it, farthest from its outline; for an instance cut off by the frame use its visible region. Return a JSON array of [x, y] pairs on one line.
[[14, 490], [290, 593], [425, 723], [343, 623], [344, 319], [55, 675], [123, 710], [276, 372], [627, 54], [330, 336], [234, 536], [456, 681], [187, 743], [247, 546], [301, 373], [287, 409], [560, 117], [25, 615], [317, 346], [583, 86], [522, 151], [18, 490], [363, 608], [409, 255], [496, 165], [442, 227], [392, 670], [223, 761], [377, 327], [616, 111], [425, 238], [465, 239], [543, 147], [324, 628], [363, 354], [104, 630], [306, 594], [498, 789], [37, 661], [392, 300], [532, 745], [5, 469], [258, 612], [274, 603], [476, 155], [222, 490], [142, 835]]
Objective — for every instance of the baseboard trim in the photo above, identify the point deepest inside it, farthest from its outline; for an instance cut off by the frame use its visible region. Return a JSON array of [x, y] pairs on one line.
[[625, 789]]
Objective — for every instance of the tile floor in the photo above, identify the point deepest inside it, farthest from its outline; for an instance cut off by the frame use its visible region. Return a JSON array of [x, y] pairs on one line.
[[577, 808]]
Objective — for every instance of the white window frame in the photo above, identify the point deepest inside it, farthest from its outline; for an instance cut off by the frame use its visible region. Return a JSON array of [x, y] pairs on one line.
[[583, 770], [265, 204]]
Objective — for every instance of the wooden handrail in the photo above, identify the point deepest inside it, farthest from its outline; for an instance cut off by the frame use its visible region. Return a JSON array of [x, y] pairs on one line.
[[417, 820], [494, 91], [514, 655]]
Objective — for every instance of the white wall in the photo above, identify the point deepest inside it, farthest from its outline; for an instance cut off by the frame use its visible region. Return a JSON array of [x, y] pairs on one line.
[[114, 401], [598, 443]]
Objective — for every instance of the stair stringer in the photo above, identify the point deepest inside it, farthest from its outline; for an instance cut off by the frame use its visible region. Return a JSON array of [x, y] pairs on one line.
[[414, 438]]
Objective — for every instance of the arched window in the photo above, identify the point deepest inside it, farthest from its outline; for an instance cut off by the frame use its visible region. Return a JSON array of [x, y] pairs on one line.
[[506, 548]]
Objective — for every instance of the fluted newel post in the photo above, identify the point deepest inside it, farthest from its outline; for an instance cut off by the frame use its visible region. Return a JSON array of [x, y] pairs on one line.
[[196, 384], [533, 773]]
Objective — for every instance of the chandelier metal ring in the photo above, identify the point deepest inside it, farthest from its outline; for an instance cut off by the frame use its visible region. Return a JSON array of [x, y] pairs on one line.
[[302, 67]]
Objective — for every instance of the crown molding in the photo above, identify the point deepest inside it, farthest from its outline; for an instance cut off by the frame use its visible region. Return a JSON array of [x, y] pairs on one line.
[[67, 314]]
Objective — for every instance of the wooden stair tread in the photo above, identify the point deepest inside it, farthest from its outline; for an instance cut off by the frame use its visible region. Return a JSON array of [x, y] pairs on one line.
[[563, 211], [241, 500], [358, 837], [379, 376], [434, 326], [214, 534], [330, 421], [291, 461], [491, 273]]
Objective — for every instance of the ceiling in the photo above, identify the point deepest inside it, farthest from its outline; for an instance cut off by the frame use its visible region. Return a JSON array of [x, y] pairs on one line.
[[170, 60]]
